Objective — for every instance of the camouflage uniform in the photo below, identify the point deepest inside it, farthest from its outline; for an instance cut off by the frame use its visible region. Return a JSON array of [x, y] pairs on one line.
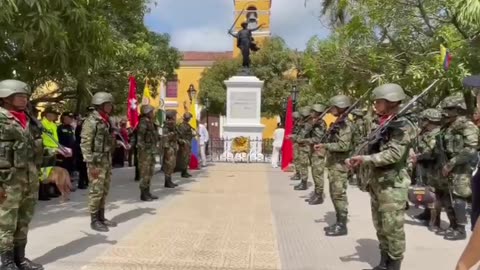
[[97, 144], [459, 141], [389, 180], [185, 133], [146, 143], [170, 148], [317, 158], [339, 145], [304, 149], [20, 157], [296, 130]]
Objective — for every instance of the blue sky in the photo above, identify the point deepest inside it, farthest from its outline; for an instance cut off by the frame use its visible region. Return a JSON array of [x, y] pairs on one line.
[[202, 25]]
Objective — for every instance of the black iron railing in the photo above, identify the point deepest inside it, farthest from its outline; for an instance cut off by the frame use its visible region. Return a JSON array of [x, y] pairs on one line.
[[226, 150]]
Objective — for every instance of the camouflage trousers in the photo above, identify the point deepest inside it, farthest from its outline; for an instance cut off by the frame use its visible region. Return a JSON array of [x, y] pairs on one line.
[[388, 210], [186, 153], [99, 186], [303, 163], [169, 160], [295, 157], [318, 167], [146, 164], [337, 178], [17, 210]]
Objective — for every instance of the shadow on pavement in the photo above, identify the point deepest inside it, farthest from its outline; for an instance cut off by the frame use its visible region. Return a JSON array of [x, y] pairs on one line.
[[123, 191], [367, 251], [330, 218], [74, 247], [134, 213]]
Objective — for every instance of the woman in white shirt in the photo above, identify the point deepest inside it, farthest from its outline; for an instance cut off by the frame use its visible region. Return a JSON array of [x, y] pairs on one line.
[[278, 135], [203, 132]]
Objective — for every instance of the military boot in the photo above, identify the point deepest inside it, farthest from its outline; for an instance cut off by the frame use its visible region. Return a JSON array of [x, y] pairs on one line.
[[185, 174], [394, 264], [301, 186], [311, 196], [96, 225], [168, 182], [338, 229], [144, 196], [424, 216], [103, 220], [457, 234], [8, 261], [153, 197], [383, 261], [22, 262], [318, 199]]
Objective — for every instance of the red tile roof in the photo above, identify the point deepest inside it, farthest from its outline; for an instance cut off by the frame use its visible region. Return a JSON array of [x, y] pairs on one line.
[[206, 56]]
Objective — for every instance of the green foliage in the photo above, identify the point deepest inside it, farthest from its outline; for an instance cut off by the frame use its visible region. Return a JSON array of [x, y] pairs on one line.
[[84, 46]]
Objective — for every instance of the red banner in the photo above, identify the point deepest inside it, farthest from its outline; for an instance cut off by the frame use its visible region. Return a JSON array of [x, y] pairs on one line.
[[287, 148], [132, 112]]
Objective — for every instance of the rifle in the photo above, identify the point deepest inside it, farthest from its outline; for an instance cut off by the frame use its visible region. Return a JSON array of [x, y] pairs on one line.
[[335, 126], [374, 138]]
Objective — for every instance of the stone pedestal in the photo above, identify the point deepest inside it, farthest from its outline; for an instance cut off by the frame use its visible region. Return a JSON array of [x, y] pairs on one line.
[[244, 94]]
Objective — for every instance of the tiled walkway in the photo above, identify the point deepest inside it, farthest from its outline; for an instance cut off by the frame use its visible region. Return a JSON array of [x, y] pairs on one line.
[[229, 216]]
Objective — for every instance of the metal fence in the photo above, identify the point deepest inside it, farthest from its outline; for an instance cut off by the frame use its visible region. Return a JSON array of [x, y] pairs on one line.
[[222, 150]]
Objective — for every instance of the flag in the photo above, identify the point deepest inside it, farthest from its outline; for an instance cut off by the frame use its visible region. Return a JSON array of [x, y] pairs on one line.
[[287, 147], [147, 95], [194, 164], [132, 113], [445, 57]]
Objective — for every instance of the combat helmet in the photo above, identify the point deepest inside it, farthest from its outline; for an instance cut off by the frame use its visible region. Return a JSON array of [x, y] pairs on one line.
[[432, 115], [319, 108], [170, 114], [11, 87], [341, 101], [391, 92], [187, 115], [296, 115], [101, 97], [146, 109], [305, 111], [453, 101], [358, 112]]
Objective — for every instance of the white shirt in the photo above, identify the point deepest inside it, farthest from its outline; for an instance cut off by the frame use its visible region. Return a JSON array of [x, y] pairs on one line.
[[278, 135], [202, 130]]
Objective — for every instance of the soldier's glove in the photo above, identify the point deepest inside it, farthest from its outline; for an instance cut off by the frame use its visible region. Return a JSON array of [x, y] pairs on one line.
[[3, 195]]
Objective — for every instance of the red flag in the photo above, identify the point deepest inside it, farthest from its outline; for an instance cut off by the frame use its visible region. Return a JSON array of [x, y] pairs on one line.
[[287, 148], [132, 112]]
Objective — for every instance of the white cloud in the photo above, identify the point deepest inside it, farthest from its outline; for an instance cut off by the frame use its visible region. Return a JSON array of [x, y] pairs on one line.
[[202, 25]]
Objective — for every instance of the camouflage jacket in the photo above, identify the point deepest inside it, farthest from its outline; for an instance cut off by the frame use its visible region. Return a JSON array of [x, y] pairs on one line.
[[18, 151], [97, 141], [340, 141], [426, 157], [360, 131], [146, 136], [460, 142], [388, 166], [170, 136], [185, 133]]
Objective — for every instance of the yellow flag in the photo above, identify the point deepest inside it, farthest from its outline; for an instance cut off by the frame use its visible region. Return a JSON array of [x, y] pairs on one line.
[[443, 54], [149, 99]]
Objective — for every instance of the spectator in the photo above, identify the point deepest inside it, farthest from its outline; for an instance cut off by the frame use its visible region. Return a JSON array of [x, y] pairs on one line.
[[80, 164], [204, 137], [50, 143], [278, 136], [66, 137]]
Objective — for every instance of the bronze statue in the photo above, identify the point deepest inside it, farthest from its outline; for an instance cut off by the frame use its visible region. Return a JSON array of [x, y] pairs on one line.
[[245, 42]]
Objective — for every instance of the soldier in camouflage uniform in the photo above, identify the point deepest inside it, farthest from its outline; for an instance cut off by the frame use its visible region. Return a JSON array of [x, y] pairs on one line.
[[304, 149], [459, 140], [338, 145], [97, 145], [317, 158], [170, 147], [186, 134], [426, 160], [147, 139], [18, 175], [296, 129], [389, 180]]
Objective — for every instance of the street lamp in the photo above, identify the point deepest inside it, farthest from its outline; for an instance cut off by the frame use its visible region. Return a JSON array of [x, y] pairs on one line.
[[294, 95], [192, 93]]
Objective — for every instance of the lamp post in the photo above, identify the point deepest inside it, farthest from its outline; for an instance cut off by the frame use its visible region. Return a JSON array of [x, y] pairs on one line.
[[294, 95]]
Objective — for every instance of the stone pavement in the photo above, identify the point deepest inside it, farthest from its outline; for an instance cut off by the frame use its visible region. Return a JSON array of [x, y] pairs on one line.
[[229, 216]]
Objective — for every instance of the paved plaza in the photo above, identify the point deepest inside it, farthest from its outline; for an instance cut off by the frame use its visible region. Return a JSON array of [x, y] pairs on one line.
[[228, 216]]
